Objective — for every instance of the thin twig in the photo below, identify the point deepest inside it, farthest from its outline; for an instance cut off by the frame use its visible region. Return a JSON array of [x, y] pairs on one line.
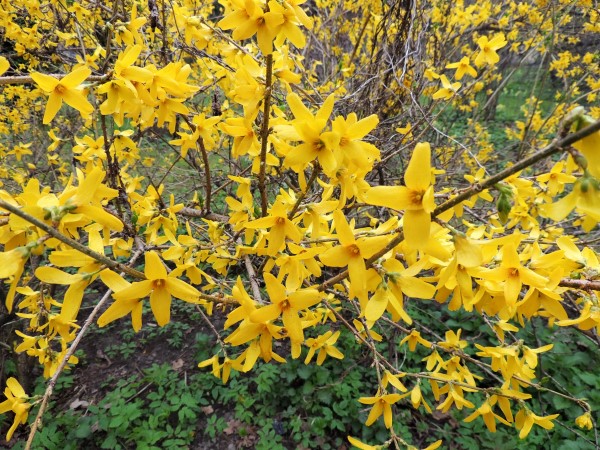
[[264, 136]]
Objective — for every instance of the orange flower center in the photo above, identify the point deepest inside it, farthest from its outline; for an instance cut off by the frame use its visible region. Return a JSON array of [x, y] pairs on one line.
[[280, 221], [60, 89], [416, 197], [158, 284], [353, 250], [318, 145], [513, 273]]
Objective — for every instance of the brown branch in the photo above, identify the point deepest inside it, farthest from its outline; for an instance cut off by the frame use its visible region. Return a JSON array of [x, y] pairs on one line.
[[586, 285], [26, 79], [264, 135], [553, 147], [207, 176], [70, 242], [68, 354]]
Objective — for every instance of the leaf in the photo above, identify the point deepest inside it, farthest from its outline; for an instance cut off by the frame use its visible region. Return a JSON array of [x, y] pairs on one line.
[[83, 431]]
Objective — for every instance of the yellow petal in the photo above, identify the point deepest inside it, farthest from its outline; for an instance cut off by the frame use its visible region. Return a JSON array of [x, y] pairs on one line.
[[72, 300], [52, 107], [118, 309], [377, 305], [293, 325], [154, 270], [76, 77], [45, 82], [55, 276], [416, 228], [335, 257], [15, 388], [418, 172], [180, 289], [395, 197], [4, 65], [275, 289], [77, 100], [160, 302], [266, 314], [134, 291], [113, 280], [102, 217], [344, 232]]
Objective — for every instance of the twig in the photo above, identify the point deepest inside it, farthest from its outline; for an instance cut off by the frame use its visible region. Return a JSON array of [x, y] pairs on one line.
[[264, 136], [68, 354], [72, 243]]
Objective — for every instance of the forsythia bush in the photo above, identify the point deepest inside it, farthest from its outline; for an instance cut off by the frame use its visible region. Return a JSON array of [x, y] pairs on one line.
[[300, 164]]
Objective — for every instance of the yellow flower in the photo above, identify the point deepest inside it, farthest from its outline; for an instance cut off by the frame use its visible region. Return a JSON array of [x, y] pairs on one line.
[[352, 253], [416, 198], [65, 90], [280, 228], [453, 341], [525, 420], [448, 89], [462, 67], [161, 287], [488, 416], [382, 404], [287, 305], [585, 421], [514, 275], [487, 53], [17, 401], [316, 144], [324, 344], [247, 19], [413, 339]]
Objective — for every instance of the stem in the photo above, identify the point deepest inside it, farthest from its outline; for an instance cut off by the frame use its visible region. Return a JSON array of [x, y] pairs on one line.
[[26, 79], [264, 135], [72, 243], [65, 359], [551, 148], [311, 180], [206, 174]]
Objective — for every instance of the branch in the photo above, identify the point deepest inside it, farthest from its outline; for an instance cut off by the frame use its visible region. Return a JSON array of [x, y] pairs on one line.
[[26, 79], [586, 285], [72, 243], [68, 354], [264, 135], [553, 147], [207, 176]]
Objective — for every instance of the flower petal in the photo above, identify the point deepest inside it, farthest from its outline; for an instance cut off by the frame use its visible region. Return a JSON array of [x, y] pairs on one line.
[[154, 270], [418, 172], [160, 302]]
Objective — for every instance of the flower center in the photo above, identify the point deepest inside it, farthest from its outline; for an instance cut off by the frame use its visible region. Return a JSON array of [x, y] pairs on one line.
[[318, 145], [353, 250], [416, 197]]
